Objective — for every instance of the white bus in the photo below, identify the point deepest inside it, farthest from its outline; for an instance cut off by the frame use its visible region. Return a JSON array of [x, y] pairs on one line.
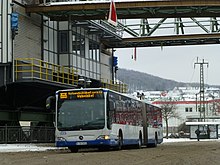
[[103, 118]]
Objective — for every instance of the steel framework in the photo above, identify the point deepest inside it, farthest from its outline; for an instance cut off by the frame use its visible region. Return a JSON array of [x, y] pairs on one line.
[[145, 23]]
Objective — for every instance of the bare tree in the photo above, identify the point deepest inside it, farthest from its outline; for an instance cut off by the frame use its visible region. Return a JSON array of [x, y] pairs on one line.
[[168, 111], [215, 107]]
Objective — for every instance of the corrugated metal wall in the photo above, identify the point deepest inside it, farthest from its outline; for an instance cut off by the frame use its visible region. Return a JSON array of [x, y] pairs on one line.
[[5, 31], [106, 70], [28, 41], [50, 37]]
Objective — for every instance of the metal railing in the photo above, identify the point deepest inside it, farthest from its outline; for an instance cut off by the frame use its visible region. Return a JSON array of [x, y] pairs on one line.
[[31, 68], [115, 85], [27, 134], [35, 69]]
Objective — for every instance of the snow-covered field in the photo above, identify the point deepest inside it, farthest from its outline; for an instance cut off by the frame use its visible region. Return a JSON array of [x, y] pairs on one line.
[[186, 139], [23, 147], [34, 147]]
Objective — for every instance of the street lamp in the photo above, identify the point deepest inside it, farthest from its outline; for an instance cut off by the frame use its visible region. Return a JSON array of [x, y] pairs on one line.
[[84, 82]]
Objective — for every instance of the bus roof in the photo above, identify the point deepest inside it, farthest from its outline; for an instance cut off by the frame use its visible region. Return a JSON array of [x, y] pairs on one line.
[[106, 89]]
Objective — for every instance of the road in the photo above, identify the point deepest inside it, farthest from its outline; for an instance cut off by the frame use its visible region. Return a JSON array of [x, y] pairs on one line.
[[181, 153]]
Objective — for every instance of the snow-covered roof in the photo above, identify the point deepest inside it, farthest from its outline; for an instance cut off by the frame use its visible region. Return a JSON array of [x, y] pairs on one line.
[[202, 123]]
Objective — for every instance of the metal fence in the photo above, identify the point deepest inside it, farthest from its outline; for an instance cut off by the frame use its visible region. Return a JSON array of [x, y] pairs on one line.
[[12, 134]]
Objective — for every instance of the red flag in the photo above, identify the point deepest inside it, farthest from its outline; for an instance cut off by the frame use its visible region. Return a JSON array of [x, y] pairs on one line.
[[112, 18]]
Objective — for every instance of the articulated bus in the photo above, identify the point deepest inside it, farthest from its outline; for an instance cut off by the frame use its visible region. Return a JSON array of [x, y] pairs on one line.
[[103, 118]]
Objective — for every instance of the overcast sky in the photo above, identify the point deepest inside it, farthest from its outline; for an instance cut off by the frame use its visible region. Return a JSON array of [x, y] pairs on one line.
[[175, 63]]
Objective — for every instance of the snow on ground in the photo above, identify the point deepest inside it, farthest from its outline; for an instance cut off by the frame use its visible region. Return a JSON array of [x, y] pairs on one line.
[[34, 147], [185, 140], [23, 147]]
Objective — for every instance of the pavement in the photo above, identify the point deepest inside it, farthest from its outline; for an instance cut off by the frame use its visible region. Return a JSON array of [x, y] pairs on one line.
[[51, 146]]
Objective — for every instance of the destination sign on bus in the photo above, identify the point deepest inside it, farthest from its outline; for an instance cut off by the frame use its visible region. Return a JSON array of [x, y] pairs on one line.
[[81, 94]]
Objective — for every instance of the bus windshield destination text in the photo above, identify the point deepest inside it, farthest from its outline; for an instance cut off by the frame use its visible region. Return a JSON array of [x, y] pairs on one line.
[[80, 94]]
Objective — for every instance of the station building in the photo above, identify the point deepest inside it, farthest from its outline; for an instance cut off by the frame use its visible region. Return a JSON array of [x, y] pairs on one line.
[[40, 55]]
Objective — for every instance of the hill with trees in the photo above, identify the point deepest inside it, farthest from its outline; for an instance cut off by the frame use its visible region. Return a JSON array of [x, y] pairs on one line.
[[146, 82]]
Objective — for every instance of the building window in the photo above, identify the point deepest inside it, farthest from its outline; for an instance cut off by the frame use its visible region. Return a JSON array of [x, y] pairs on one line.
[[86, 49], [93, 49], [188, 109], [63, 42], [49, 41], [78, 44]]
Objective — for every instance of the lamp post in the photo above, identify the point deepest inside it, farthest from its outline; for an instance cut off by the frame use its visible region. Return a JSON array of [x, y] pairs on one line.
[[84, 82]]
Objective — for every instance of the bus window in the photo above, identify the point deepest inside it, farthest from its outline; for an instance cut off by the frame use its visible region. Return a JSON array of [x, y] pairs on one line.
[[111, 114], [81, 114], [111, 105]]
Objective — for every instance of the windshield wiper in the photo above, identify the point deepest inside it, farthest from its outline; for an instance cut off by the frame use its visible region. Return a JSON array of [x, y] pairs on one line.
[[96, 122]]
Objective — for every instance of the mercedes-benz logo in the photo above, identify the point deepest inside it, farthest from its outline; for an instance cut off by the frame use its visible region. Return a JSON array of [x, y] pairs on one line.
[[81, 137]]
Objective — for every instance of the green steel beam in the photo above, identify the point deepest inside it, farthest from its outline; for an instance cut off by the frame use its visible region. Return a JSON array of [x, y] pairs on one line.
[[163, 9], [171, 40], [129, 10]]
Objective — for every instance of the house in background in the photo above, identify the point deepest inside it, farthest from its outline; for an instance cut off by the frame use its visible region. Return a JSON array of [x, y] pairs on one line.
[[187, 101]]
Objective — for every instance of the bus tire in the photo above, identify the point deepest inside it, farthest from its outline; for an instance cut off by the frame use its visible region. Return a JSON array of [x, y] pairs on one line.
[[120, 140], [73, 149], [156, 140], [139, 141]]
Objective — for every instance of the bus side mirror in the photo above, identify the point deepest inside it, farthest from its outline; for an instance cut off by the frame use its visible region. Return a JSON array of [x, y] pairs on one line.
[[50, 103]]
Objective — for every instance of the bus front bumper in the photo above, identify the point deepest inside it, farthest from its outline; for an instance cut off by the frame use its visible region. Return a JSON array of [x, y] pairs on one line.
[[88, 143]]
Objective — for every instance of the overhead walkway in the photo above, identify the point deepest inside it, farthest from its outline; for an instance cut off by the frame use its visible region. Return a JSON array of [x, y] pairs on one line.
[[178, 22], [96, 10], [172, 40]]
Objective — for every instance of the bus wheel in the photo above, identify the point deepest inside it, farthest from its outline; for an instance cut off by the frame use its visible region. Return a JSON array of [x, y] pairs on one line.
[[155, 141], [139, 141], [120, 141], [73, 149]]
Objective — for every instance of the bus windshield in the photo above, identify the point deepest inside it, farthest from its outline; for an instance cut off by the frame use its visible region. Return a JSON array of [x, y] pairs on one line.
[[81, 114]]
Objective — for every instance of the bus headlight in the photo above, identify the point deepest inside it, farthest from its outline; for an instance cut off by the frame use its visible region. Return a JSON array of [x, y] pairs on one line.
[[103, 137], [61, 139]]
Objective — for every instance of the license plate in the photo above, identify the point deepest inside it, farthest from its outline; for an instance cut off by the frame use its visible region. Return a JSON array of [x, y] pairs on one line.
[[81, 143]]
